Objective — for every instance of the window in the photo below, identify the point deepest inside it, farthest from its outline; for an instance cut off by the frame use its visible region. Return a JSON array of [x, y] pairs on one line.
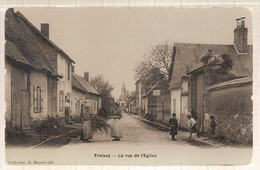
[[67, 98], [61, 100], [68, 71], [37, 99], [174, 105]]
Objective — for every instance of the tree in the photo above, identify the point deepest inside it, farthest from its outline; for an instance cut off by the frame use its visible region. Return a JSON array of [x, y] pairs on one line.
[[217, 67], [155, 67], [105, 90]]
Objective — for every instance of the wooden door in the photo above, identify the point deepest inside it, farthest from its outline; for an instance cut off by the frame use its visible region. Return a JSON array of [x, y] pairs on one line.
[[52, 96], [20, 102], [200, 98]]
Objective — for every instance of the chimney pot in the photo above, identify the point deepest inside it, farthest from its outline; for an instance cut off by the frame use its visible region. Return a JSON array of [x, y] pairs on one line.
[[240, 36], [86, 76], [11, 9], [243, 23], [45, 29]]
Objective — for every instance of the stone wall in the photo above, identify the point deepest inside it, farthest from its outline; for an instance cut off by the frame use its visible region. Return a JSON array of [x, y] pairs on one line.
[[232, 108], [163, 108]]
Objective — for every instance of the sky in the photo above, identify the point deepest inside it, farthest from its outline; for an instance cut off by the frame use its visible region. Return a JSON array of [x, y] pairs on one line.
[[111, 41]]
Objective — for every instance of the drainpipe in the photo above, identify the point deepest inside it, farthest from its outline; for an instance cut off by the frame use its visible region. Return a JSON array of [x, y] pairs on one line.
[[180, 106]]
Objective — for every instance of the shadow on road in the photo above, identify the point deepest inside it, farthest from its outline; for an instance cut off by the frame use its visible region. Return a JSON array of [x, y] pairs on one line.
[[194, 142]]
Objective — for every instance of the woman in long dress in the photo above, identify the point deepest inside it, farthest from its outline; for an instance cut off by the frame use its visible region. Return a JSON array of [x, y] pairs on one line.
[[87, 132], [116, 131]]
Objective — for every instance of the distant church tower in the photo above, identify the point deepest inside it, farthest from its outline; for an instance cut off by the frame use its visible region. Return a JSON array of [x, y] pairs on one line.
[[122, 98]]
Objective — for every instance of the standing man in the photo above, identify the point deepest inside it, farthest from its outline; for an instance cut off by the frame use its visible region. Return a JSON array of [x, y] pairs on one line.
[[192, 123]]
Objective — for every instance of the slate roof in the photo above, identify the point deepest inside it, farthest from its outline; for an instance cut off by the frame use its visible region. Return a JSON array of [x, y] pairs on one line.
[[29, 24], [186, 57], [13, 52], [82, 84], [22, 47]]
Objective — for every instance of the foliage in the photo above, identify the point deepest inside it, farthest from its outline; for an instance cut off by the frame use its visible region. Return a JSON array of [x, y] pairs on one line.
[[217, 67], [156, 66], [105, 90], [99, 123], [150, 117]]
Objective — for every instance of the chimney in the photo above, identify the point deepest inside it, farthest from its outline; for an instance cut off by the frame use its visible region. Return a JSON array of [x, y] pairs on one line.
[[11, 9], [86, 76], [45, 29], [240, 36]]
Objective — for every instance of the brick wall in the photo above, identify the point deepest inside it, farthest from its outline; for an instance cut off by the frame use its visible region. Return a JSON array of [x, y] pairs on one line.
[[232, 108]]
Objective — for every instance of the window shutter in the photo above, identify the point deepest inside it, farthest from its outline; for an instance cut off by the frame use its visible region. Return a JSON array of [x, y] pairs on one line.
[[41, 98], [34, 99], [62, 94]]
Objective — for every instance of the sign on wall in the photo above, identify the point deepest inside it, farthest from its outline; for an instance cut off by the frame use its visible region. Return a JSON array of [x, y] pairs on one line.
[[156, 92]]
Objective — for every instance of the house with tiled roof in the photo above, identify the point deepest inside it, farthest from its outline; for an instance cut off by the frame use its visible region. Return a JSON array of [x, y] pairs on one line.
[[187, 79], [61, 61], [83, 93], [30, 79]]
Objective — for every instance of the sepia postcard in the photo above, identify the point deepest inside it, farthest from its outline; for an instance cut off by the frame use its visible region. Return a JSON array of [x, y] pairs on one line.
[[128, 86]]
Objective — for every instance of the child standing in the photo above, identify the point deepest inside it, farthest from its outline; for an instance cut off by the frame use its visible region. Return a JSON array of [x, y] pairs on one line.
[[174, 126], [212, 126]]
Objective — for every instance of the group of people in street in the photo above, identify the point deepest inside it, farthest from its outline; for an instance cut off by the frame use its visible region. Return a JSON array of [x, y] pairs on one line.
[[87, 132], [116, 130], [193, 125]]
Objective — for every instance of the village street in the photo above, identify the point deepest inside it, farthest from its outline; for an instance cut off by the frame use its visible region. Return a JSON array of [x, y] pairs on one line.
[[138, 138]]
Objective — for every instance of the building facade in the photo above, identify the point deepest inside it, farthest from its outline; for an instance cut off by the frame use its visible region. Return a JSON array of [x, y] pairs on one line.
[[60, 61], [84, 93], [187, 59], [30, 78]]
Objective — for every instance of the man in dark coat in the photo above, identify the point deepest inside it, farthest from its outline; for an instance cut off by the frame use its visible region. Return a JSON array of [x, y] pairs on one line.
[[174, 126]]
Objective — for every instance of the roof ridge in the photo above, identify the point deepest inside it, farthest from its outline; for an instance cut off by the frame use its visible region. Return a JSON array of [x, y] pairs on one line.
[[176, 43], [97, 93], [73, 74], [52, 67], [43, 36]]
